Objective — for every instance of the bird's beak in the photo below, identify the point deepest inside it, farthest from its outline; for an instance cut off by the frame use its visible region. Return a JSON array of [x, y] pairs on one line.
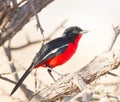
[[84, 32]]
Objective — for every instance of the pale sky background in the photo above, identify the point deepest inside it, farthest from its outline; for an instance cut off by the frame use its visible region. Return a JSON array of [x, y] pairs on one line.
[[97, 16]]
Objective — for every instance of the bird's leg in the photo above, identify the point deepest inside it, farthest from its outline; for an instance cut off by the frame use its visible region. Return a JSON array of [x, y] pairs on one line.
[[55, 71], [49, 71]]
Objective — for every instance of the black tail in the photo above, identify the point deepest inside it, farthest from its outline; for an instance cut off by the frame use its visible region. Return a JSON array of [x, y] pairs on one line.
[[22, 78]]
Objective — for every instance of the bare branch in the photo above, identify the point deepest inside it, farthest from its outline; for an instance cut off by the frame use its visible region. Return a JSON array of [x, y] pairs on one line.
[[84, 96], [13, 69], [110, 98], [23, 87], [99, 66], [116, 34], [37, 19], [19, 18], [96, 68]]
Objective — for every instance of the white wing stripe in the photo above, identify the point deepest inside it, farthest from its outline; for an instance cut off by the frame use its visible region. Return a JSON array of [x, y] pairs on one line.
[[55, 50]]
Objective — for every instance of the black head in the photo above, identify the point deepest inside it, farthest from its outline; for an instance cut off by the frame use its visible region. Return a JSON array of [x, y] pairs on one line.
[[72, 32]]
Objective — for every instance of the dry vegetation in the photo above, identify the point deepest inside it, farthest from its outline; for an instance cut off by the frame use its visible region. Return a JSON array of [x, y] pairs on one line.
[[81, 86]]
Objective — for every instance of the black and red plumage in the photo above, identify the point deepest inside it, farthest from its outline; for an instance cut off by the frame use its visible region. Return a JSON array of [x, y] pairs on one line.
[[55, 52]]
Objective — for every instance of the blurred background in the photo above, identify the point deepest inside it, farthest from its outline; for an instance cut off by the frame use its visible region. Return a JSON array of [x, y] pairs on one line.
[[97, 16]]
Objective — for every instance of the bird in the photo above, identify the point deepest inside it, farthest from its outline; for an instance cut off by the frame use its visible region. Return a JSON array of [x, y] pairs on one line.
[[55, 52]]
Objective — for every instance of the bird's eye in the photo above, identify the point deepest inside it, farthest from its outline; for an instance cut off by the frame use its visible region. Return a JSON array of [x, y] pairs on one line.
[[75, 31]]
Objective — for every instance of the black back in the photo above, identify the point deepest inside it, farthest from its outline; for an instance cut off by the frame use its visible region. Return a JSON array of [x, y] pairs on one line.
[[46, 52]]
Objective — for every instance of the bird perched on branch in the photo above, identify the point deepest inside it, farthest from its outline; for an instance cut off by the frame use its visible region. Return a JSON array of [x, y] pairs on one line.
[[55, 52]]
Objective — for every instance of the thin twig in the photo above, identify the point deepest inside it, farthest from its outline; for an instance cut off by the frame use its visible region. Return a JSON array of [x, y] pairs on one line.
[[36, 81], [13, 69], [21, 2], [116, 34], [113, 74], [23, 87], [39, 41], [6, 79], [8, 73], [37, 18], [114, 97]]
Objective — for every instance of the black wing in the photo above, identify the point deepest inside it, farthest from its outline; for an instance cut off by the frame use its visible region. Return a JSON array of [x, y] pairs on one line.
[[47, 51], [50, 50]]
